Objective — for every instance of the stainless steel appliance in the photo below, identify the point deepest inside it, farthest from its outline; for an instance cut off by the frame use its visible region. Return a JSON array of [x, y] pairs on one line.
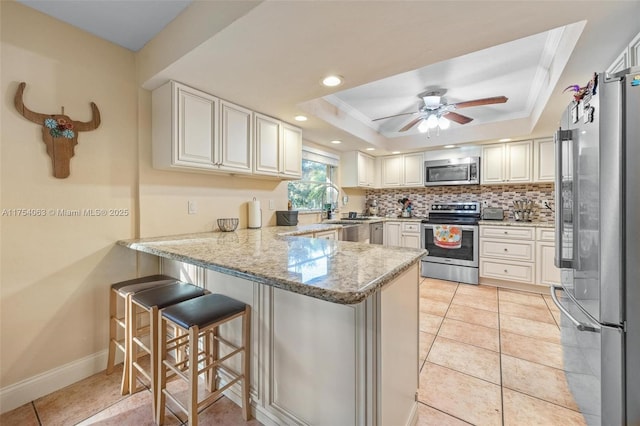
[[455, 171], [358, 232], [450, 234], [598, 247], [377, 232]]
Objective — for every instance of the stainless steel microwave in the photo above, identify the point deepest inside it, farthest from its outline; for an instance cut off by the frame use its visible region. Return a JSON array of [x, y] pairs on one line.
[[454, 171]]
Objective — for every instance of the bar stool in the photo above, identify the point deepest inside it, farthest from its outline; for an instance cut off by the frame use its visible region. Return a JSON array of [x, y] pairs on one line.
[[200, 319], [151, 301], [122, 292]]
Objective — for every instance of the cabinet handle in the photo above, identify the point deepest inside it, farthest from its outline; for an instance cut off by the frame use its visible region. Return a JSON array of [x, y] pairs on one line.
[[505, 271], [506, 233], [506, 250]]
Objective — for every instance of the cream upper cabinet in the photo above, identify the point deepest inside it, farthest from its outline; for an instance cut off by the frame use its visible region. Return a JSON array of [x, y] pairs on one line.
[[184, 128], [413, 169], [544, 160], [507, 163], [278, 148], [357, 170], [236, 138], [403, 170], [267, 143], [634, 52], [392, 171], [195, 131], [291, 151]]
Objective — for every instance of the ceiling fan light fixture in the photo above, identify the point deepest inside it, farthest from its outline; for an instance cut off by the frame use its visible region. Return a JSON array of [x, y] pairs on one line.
[[423, 127], [431, 102], [432, 121], [443, 123]]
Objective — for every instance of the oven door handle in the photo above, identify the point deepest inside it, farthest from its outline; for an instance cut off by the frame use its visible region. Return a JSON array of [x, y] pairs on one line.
[[463, 227]]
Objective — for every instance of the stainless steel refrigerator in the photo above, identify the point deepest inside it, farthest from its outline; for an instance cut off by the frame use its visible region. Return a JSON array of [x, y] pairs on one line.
[[598, 248]]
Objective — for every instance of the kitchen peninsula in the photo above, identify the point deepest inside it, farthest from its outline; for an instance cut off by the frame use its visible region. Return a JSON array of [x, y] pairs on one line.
[[334, 325]]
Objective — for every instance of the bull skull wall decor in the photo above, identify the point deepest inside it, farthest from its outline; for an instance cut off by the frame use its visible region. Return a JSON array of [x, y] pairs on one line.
[[59, 132]]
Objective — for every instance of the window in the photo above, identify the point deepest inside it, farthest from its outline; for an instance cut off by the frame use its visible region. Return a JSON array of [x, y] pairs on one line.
[[316, 187]]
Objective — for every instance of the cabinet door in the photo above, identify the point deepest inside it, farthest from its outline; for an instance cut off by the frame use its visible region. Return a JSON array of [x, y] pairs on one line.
[[327, 235], [196, 128], [370, 170], [363, 169], [547, 273], [392, 234], [235, 138], [634, 52], [392, 171], [518, 155], [411, 240], [544, 161], [414, 170], [492, 164], [267, 143], [291, 151]]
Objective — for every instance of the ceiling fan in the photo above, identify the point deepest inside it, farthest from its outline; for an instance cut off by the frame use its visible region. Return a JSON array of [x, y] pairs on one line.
[[436, 112]]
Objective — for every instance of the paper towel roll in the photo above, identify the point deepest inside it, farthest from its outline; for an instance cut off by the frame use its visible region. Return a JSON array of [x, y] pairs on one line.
[[255, 214]]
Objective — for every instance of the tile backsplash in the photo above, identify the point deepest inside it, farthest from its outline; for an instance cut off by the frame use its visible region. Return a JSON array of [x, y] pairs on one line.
[[500, 196]]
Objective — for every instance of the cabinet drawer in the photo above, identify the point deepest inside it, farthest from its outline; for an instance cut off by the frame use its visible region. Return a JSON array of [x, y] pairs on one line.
[[410, 227], [512, 271], [545, 234], [511, 232], [505, 249], [327, 235]]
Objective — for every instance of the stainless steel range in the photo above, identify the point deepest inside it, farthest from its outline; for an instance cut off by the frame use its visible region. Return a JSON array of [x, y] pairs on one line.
[[450, 234]]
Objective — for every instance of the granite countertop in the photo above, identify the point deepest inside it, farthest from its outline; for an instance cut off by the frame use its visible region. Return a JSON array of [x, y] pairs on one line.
[[373, 219], [336, 271], [516, 223]]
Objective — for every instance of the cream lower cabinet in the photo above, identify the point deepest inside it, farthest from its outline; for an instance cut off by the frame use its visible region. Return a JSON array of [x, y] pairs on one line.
[[518, 254], [319, 363], [546, 271], [327, 235], [402, 234], [507, 253]]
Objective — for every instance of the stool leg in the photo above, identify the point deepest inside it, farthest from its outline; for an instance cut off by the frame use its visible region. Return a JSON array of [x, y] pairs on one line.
[[153, 345], [192, 400], [113, 329], [162, 372], [246, 359], [126, 367], [132, 349]]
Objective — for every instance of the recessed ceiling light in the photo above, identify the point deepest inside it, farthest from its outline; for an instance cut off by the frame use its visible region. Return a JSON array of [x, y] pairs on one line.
[[332, 80], [300, 118], [395, 152], [336, 142], [449, 146], [371, 149], [505, 140]]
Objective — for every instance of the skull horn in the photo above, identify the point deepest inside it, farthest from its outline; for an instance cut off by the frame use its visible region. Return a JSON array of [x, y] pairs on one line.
[[84, 126], [36, 117]]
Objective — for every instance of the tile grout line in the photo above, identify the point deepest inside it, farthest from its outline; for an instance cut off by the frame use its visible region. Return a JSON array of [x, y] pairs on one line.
[[549, 308], [500, 359], [544, 400], [35, 411], [438, 330], [444, 412]]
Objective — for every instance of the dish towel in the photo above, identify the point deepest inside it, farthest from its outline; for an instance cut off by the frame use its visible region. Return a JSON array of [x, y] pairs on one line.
[[447, 236]]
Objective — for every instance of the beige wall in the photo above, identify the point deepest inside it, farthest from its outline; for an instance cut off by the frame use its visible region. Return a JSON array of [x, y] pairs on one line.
[[55, 271]]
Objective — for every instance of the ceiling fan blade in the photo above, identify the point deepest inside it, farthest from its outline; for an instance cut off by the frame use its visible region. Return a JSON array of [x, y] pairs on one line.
[[411, 124], [485, 101], [458, 118], [397, 115]]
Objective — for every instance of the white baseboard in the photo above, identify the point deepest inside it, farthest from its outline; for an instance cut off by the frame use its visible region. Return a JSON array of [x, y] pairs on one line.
[[17, 394]]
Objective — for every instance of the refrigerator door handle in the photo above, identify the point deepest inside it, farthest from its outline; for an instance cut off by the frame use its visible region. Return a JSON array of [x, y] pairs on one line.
[[579, 325], [560, 137]]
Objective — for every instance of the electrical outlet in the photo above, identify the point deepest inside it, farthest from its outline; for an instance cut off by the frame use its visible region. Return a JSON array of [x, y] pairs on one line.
[[192, 208], [272, 205]]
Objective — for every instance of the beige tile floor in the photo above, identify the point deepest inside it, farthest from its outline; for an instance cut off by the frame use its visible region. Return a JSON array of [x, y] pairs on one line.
[[487, 356], [490, 357]]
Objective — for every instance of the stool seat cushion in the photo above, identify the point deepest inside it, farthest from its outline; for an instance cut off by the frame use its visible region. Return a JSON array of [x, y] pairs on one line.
[[138, 284], [167, 295], [203, 311]]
